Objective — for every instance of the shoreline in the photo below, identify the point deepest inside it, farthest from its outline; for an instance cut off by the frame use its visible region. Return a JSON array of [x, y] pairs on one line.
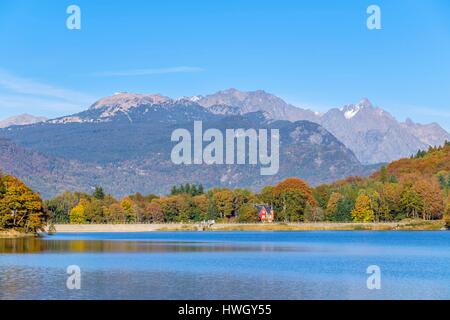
[[12, 234], [408, 225]]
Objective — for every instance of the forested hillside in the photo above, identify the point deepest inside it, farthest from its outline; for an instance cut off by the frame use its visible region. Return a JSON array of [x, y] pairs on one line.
[[416, 188]]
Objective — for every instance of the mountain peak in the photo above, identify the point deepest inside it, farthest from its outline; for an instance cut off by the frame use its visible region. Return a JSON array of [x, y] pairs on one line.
[[22, 119], [242, 95], [125, 100], [352, 110], [192, 99], [230, 90], [365, 102], [409, 122], [251, 101]]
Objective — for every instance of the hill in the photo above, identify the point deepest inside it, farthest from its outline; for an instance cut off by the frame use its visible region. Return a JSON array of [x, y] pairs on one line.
[[417, 187], [425, 164]]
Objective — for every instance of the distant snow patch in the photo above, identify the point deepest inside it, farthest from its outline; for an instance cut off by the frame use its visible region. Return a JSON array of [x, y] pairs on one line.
[[352, 112]]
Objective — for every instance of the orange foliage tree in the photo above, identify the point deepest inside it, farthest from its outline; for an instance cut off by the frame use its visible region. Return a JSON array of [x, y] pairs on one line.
[[431, 194], [291, 198]]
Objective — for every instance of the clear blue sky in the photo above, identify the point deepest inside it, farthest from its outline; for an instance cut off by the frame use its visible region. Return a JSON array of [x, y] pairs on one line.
[[317, 54]]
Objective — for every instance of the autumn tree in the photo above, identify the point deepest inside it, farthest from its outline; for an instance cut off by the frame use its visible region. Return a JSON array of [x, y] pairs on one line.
[[223, 201], [291, 197], [322, 195], [155, 212], [447, 213], [308, 214], [376, 205], [391, 194], [77, 214], [93, 210], [432, 199], [332, 206], [242, 198], [188, 210], [313, 214], [20, 208], [266, 195], [411, 203], [444, 181], [383, 174], [363, 209], [202, 204], [171, 207], [60, 206], [139, 207], [248, 213], [130, 211]]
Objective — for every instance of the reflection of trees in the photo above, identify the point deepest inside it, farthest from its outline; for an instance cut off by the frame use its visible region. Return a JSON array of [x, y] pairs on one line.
[[20, 245], [36, 245]]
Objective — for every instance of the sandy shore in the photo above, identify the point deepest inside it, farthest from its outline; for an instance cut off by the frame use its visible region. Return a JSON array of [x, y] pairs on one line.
[[76, 228], [403, 225]]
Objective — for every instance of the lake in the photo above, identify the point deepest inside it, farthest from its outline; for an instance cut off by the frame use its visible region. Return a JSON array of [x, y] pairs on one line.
[[228, 265]]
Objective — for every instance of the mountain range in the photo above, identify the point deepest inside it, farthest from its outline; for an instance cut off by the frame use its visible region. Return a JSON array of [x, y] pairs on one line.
[[123, 143], [370, 132]]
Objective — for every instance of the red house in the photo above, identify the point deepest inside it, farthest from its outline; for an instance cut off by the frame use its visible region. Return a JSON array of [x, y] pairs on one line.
[[266, 214]]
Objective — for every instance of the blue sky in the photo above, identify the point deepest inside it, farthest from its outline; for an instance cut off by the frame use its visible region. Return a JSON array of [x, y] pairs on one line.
[[316, 54]]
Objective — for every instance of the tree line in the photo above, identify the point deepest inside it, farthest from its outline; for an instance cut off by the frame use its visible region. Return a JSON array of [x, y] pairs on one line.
[[293, 200]]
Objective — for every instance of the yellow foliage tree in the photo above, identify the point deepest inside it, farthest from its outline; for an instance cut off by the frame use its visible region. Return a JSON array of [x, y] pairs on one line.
[[363, 209], [128, 206], [77, 214]]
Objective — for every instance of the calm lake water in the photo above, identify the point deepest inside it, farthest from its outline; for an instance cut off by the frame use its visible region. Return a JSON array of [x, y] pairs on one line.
[[228, 265]]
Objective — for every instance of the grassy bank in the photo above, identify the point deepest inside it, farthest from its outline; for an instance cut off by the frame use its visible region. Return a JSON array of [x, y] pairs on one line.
[[411, 225], [404, 225], [14, 234]]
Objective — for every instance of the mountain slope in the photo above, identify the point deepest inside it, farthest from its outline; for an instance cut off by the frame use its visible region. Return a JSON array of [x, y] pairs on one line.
[[430, 134], [42, 173]]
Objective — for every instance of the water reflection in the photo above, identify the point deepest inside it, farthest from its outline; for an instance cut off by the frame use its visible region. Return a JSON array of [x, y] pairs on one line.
[[38, 245], [41, 283], [234, 265]]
